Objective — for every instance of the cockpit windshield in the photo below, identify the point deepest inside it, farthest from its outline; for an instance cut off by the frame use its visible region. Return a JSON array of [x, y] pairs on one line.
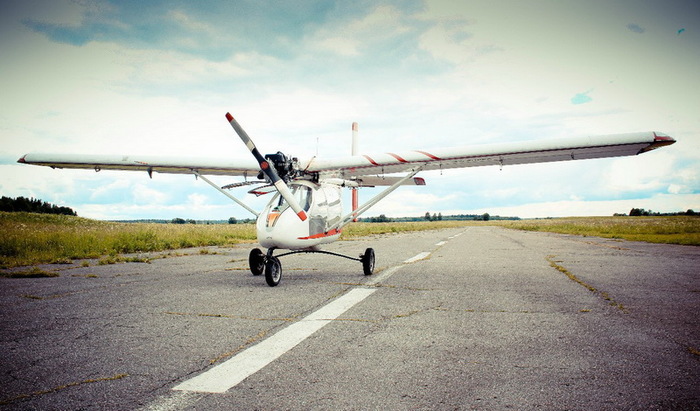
[[301, 193]]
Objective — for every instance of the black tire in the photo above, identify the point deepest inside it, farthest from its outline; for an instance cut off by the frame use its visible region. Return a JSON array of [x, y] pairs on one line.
[[368, 261], [273, 271], [256, 261]]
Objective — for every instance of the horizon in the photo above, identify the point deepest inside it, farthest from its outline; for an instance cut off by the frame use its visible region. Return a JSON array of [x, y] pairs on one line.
[[634, 212]]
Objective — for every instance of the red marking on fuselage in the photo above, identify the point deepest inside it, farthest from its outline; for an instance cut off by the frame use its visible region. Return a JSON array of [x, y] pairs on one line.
[[321, 235]]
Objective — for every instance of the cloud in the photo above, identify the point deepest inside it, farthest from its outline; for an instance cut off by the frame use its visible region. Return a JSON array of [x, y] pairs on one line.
[[143, 194], [156, 78], [635, 28], [634, 176], [117, 190]]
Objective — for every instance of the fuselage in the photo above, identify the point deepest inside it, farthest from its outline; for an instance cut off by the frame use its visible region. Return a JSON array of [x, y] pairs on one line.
[[279, 227]]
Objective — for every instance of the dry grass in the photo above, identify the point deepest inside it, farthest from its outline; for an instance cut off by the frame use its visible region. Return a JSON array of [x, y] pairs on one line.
[[683, 230], [30, 239]]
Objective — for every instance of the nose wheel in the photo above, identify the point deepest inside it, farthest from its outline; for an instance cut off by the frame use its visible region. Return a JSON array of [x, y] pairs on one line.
[[265, 264], [273, 271], [272, 267]]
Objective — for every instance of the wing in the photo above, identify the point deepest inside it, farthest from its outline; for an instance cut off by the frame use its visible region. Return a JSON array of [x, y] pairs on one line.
[[614, 145], [173, 165]]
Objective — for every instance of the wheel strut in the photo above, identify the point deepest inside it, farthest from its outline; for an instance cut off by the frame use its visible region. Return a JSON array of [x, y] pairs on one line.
[[271, 266]]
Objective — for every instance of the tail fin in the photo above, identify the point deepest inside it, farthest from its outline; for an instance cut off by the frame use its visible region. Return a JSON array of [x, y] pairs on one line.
[[355, 151]]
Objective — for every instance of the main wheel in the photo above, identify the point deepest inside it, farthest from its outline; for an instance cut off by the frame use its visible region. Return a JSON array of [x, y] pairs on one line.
[[256, 260], [273, 271], [368, 261]]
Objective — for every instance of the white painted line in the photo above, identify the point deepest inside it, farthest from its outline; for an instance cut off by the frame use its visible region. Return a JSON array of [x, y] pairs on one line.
[[441, 243], [173, 401], [418, 257], [228, 374]]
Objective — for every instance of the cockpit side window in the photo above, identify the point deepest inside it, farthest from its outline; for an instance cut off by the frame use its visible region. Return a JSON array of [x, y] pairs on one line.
[[303, 196]]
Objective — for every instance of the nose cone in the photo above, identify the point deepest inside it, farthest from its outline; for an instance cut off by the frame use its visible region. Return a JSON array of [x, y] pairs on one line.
[[284, 232]]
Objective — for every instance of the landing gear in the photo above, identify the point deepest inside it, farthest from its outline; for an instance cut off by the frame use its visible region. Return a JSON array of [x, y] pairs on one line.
[[273, 271], [368, 261], [271, 266], [256, 259]]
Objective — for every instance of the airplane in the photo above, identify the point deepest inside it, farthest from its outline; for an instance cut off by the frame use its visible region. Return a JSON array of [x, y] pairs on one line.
[[306, 209]]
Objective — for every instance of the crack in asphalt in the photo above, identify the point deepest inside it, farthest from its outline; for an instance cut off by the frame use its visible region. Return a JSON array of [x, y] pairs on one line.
[[603, 294], [61, 387]]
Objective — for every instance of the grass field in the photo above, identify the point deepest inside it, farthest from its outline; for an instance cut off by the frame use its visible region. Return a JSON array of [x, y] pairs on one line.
[[30, 239], [683, 230]]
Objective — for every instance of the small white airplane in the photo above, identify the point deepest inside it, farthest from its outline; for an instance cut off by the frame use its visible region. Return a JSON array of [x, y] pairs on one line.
[[307, 211]]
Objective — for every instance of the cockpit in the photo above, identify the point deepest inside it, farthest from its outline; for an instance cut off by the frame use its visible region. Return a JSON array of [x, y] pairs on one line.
[[302, 194], [322, 203]]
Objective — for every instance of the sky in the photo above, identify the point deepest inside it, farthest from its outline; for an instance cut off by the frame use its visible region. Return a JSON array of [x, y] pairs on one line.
[[157, 77]]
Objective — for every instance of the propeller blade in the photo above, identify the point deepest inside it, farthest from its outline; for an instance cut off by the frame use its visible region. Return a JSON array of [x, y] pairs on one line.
[[267, 168]]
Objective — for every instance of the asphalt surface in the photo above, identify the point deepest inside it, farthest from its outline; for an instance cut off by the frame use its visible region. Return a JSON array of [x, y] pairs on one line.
[[479, 318]]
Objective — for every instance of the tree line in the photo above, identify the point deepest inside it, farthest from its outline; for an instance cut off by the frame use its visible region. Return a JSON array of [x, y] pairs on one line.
[[436, 217], [640, 212], [33, 205]]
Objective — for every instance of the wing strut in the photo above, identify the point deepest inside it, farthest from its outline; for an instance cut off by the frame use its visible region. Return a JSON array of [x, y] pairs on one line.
[[240, 203], [356, 213]]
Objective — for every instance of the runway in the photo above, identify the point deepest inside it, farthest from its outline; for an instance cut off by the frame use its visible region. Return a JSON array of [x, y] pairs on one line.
[[468, 318]]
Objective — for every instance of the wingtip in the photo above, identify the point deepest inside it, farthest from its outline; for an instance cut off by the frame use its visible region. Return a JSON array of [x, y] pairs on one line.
[[660, 140], [663, 138], [22, 159], [229, 117]]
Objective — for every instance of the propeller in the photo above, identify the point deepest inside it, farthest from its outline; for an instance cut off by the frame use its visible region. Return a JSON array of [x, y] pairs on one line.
[[267, 168]]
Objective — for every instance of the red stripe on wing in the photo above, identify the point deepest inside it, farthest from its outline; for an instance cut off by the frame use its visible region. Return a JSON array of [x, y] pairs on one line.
[[396, 156], [374, 163], [428, 155]]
